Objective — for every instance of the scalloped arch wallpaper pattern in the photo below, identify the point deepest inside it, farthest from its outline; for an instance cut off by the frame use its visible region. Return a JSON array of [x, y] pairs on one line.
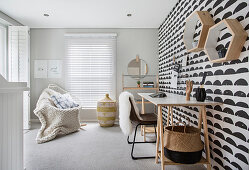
[[227, 82]]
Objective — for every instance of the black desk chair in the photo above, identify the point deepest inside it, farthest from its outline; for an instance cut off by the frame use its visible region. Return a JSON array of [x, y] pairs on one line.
[[147, 119]]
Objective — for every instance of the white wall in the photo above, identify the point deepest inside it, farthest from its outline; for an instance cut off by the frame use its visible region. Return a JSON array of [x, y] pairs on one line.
[[49, 44]]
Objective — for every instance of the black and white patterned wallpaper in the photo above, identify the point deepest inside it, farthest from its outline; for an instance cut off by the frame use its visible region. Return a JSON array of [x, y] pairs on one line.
[[226, 82]]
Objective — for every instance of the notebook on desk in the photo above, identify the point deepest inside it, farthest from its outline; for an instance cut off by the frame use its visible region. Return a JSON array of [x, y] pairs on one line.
[[158, 95]]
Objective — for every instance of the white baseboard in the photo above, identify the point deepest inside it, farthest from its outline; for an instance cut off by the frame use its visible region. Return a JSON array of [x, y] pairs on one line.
[[94, 120], [37, 120], [90, 120]]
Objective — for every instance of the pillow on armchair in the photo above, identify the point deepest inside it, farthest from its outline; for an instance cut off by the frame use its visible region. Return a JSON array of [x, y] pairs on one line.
[[63, 101]]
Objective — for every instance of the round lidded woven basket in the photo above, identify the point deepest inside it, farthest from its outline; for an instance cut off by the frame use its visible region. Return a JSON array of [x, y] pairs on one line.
[[106, 111], [182, 144]]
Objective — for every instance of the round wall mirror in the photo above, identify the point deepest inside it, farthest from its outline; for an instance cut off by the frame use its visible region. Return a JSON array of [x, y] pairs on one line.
[[137, 68]]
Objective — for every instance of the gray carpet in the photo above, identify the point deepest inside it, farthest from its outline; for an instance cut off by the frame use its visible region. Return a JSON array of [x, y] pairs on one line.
[[93, 148]]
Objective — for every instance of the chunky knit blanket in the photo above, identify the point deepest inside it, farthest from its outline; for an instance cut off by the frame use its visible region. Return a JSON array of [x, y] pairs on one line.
[[54, 121]]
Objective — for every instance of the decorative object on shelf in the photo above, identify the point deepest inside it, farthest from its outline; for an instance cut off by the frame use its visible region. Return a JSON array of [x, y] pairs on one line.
[[149, 84], [189, 88], [195, 43], [137, 68], [140, 88], [206, 22], [239, 36], [138, 83], [200, 94], [182, 144], [106, 111], [222, 52]]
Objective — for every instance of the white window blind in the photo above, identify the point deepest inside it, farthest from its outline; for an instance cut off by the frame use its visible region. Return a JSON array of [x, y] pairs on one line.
[[91, 66], [18, 60]]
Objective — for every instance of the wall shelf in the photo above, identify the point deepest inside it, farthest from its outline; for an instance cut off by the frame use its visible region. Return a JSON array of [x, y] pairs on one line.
[[206, 21], [239, 36]]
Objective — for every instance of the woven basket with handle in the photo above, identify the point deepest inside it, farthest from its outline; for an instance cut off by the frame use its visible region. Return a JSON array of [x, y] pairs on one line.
[[182, 144]]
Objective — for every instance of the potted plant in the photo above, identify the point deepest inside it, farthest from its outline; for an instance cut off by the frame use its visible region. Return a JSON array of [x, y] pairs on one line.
[[138, 83]]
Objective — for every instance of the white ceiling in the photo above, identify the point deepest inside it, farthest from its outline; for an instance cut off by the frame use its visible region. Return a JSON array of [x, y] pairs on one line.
[[88, 13]]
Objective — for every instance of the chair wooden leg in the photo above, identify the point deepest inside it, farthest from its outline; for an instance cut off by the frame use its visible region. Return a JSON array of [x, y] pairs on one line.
[[155, 130], [144, 134]]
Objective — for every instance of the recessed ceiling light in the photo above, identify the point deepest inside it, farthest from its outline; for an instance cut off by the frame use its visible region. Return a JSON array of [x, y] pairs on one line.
[[129, 15], [46, 15]]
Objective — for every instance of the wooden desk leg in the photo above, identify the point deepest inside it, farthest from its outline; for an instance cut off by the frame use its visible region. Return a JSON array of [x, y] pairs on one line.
[[161, 136], [169, 110], [200, 118], [157, 136], [142, 127], [205, 128]]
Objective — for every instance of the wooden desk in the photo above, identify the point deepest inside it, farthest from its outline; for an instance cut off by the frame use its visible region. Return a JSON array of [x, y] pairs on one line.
[[177, 100]]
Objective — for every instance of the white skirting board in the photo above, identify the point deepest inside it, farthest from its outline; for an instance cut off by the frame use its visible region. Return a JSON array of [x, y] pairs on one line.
[[82, 121], [11, 131]]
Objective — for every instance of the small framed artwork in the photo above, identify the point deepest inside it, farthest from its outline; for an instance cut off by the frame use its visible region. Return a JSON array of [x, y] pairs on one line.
[[40, 67], [54, 68]]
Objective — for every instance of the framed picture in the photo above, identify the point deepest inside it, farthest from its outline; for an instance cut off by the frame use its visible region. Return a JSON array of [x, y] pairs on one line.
[[40, 67], [54, 68]]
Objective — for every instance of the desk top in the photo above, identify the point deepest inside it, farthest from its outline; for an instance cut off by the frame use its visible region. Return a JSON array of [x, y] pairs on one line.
[[175, 100]]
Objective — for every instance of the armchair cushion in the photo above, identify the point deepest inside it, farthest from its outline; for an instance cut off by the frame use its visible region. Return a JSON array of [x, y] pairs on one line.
[[63, 101]]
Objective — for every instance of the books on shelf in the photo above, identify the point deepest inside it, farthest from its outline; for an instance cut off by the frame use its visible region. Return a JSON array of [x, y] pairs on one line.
[[148, 84]]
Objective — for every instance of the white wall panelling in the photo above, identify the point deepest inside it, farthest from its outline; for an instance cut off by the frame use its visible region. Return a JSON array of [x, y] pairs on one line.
[[11, 125]]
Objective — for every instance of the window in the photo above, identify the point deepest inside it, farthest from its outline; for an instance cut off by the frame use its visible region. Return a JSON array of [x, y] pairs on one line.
[[3, 50], [90, 66], [18, 55]]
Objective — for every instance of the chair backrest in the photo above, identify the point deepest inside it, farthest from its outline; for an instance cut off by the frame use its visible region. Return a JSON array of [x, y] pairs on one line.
[[133, 115], [57, 88]]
